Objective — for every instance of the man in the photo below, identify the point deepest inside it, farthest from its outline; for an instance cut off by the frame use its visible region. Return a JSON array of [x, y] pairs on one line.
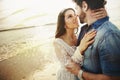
[[101, 59]]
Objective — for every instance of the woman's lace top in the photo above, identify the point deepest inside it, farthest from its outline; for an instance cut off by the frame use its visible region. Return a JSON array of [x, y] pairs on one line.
[[64, 53]]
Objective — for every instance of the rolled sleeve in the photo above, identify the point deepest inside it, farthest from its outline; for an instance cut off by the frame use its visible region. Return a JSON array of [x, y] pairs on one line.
[[109, 51]]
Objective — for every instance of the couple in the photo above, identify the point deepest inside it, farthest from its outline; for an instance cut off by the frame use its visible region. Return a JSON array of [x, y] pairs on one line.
[[94, 55]]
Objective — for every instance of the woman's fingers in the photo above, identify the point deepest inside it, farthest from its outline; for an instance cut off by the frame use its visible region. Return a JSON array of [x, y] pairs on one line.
[[97, 10], [90, 36], [87, 40], [99, 13], [90, 42], [93, 31]]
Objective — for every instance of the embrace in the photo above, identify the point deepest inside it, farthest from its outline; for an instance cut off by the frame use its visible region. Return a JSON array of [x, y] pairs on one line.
[[94, 54]]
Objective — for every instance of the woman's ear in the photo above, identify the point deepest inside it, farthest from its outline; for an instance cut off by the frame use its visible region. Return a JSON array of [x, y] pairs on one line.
[[84, 6]]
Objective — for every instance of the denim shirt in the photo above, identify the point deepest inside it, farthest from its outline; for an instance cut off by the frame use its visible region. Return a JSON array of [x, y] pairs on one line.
[[103, 56]]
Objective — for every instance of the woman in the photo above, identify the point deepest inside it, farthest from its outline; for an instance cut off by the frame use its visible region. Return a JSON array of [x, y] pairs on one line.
[[65, 42]]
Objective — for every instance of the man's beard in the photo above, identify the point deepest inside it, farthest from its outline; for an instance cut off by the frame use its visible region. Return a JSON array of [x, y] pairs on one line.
[[82, 17]]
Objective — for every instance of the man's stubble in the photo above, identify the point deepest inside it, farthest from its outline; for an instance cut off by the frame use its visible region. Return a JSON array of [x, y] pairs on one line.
[[82, 17]]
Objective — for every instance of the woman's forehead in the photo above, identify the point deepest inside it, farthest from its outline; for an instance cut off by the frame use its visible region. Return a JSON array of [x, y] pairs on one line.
[[68, 12]]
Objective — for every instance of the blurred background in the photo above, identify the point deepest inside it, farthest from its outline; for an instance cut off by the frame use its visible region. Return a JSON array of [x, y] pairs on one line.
[[27, 29]]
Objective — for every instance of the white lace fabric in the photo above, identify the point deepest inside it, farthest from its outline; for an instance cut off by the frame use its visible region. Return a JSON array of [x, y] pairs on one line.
[[65, 54]]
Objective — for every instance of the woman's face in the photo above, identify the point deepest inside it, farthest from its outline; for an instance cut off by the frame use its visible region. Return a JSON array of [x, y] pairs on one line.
[[71, 19]]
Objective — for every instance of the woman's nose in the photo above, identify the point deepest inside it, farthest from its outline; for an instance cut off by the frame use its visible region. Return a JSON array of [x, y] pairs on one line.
[[76, 16]]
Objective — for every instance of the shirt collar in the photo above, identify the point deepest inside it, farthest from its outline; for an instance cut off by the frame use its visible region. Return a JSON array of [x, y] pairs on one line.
[[96, 24]]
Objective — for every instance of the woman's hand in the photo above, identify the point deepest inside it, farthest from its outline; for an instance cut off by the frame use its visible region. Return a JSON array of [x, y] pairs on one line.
[[73, 68], [87, 40], [99, 13]]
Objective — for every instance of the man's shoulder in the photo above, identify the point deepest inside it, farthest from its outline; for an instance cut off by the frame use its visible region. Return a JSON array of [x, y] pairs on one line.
[[107, 27]]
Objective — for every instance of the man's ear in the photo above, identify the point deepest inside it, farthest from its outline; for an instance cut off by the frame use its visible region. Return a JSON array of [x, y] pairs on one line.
[[84, 6]]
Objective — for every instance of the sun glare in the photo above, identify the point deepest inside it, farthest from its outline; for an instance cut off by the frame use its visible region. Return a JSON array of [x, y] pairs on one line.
[[30, 12]]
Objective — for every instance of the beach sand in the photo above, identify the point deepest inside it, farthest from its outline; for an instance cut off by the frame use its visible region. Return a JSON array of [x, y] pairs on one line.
[[36, 63], [27, 54]]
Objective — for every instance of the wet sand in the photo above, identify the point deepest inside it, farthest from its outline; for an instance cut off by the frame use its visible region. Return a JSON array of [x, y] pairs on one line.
[[39, 65], [27, 54]]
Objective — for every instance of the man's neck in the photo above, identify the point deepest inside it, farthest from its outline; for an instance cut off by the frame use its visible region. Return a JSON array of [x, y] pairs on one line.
[[90, 19]]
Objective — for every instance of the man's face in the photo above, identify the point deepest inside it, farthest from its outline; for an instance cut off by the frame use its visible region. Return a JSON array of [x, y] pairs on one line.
[[80, 13]]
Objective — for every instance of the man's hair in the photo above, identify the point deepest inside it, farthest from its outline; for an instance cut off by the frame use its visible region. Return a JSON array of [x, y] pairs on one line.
[[92, 4]]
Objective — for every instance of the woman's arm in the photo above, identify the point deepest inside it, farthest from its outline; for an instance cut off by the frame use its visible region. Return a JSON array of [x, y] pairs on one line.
[[91, 76], [61, 53], [85, 42], [75, 68]]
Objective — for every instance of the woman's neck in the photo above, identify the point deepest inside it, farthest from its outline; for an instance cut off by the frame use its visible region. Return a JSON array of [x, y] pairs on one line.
[[69, 38], [70, 34]]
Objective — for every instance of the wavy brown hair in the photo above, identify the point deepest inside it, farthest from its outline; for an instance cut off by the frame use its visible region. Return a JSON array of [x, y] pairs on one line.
[[61, 23]]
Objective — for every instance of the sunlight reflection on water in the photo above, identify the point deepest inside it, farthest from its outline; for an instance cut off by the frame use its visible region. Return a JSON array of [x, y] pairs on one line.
[[20, 13]]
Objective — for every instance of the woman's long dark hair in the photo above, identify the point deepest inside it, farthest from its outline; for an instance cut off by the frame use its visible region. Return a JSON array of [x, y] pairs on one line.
[[61, 23]]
